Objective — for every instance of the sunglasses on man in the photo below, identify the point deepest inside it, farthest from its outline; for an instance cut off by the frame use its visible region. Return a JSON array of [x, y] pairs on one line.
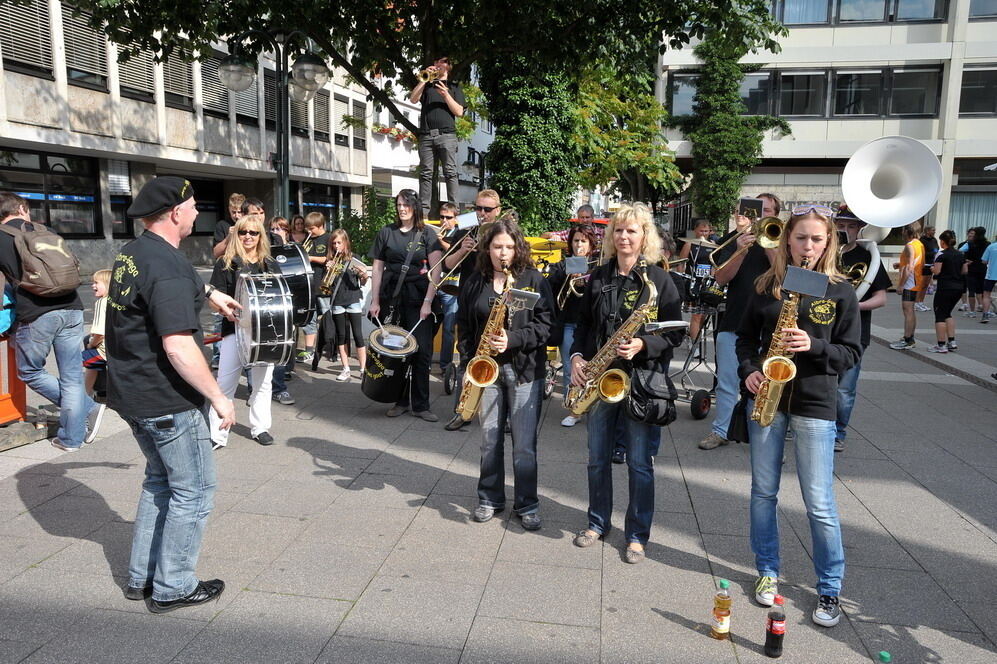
[[249, 233], [484, 208]]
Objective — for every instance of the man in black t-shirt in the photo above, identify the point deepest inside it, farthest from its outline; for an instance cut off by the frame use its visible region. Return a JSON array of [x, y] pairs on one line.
[[442, 103], [44, 324], [739, 276], [874, 297], [223, 228], [158, 382]]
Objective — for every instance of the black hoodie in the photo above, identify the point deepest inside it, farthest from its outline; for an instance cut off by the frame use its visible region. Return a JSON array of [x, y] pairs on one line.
[[527, 330], [835, 331]]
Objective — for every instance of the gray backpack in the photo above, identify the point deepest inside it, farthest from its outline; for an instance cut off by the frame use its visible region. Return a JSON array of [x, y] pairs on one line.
[[48, 268]]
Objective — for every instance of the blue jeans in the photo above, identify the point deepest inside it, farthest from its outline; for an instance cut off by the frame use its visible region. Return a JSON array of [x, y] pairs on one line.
[[63, 331], [177, 496], [642, 441], [847, 385], [815, 470], [449, 323], [498, 401], [727, 382], [566, 340]]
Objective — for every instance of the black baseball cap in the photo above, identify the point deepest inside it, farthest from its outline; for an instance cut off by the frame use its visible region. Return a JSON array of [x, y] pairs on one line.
[[160, 194]]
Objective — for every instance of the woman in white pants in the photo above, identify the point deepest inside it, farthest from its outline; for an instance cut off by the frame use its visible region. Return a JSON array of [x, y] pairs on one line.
[[250, 253]]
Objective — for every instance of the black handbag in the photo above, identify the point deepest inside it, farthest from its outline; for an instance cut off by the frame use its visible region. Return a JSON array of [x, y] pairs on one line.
[[737, 431], [651, 398]]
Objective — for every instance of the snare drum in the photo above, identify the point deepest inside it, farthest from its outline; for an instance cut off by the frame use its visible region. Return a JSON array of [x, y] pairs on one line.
[[389, 350], [293, 263], [264, 333]]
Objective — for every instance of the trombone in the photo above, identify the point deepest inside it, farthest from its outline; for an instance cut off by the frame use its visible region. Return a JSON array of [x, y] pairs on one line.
[[572, 285], [767, 232], [449, 282]]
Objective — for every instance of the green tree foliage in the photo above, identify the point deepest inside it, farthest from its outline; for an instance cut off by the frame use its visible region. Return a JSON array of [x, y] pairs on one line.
[[395, 38], [726, 144], [617, 133], [532, 158], [363, 225]]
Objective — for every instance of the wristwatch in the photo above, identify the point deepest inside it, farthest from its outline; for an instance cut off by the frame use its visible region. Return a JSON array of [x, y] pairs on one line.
[[207, 293]]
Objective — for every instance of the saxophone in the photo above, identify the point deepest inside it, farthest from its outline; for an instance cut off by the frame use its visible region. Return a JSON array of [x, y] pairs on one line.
[[601, 382], [778, 367], [482, 370], [333, 269]]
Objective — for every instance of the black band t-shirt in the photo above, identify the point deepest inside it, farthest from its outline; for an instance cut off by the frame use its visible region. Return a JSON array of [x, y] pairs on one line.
[[317, 246], [435, 112], [741, 288], [154, 292], [392, 246]]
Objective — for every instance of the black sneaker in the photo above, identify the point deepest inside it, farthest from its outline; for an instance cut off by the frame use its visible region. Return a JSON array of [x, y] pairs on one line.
[[264, 439], [136, 594], [204, 592], [828, 612], [530, 521], [839, 446]]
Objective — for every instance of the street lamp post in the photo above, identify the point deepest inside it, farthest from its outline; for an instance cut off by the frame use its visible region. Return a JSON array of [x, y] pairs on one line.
[[299, 82]]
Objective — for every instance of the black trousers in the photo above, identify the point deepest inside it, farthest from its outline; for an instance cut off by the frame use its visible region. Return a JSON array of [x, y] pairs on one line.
[[416, 394], [355, 322]]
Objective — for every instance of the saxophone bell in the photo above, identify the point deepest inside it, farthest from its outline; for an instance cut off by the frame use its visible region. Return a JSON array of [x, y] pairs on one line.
[[613, 385]]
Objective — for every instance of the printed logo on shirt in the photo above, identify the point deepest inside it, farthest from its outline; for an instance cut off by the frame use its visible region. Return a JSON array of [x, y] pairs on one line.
[[822, 312], [409, 247], [630, 298]]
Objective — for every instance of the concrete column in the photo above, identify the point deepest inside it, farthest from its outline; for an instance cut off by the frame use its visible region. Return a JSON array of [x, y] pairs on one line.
[[948, 118], [195, 80], [114, 89], [59, 61], [160, 96]]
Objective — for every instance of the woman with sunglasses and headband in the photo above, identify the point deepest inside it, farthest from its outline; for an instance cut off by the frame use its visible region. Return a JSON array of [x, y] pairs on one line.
[[825, 341], [249, 253], [521, 350]]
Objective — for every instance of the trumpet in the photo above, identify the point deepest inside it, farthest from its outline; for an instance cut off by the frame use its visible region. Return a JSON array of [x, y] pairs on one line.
[[767, 232], [333, 268], [429, 75]]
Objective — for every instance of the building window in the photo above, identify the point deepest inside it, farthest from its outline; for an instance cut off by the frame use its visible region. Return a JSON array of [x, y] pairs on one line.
[[119, 186], [858, 93], [86, 50], [683, 90], [804, 12], [915, 92], [755, 93], [360, 129], [178, 86], [861, 10], [61, 191], [25, 38], [803, 94], [270, 98], [247, 104], [322, 116], [977, 9], [211, 205], [214, 95], [135, 75], [979, 91], [919, 10], [342, 108], [299, 118]]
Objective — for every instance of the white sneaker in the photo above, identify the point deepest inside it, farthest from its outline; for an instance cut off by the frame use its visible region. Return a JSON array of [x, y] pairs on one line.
[[952, 345], [963, 307], [921, 307], [343, 376], [938, 348], [93, 422], [570, 421]]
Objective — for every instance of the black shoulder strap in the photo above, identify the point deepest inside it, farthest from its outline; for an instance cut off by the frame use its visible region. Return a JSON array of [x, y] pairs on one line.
[[406, 265]]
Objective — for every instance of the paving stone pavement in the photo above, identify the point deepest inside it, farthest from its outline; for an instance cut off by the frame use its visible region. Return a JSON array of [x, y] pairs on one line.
[[350, 540]]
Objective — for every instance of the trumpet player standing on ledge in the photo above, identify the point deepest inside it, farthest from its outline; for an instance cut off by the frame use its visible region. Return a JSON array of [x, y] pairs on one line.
[[824, 340], [854, 255], [581, 242], [613, 291], [518, 345], [442, 103]]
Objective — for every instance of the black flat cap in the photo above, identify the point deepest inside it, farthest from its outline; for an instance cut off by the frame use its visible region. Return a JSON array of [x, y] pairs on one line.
[[844, 213], [160, 194]]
